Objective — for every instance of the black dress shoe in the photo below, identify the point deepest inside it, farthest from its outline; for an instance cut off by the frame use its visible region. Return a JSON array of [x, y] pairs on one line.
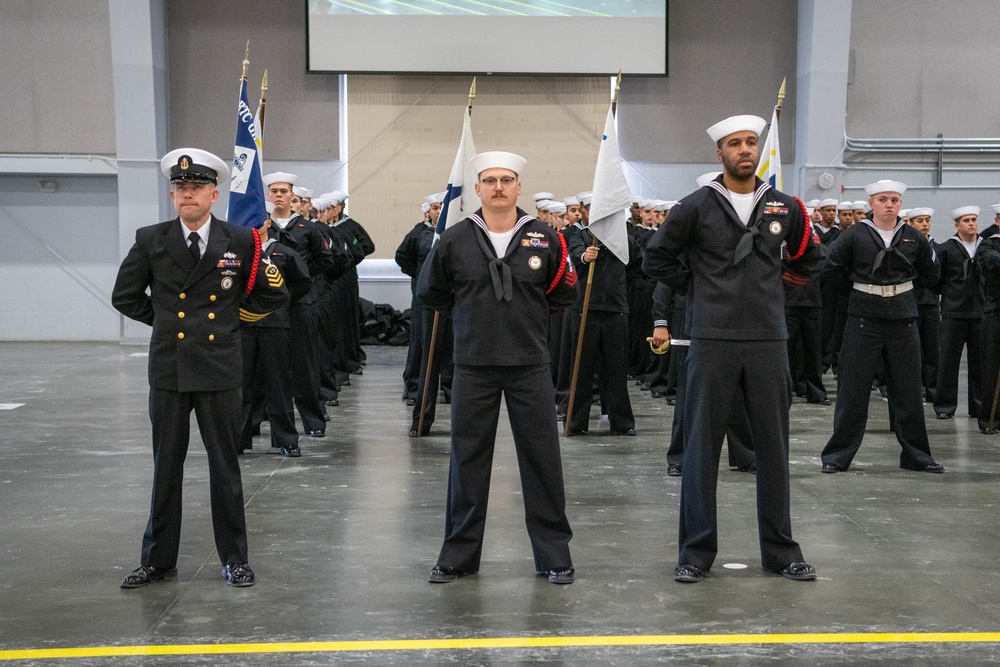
[[316, 434], [444, 575], [822, 401], [145, 575], [673, 470], [561, 575], [943, 415], [326, 417], [933, 467], [624, 431], [578, 431], [750, 468], [291, 452], [560, 416], [358, 371], [657, 394], [411, 401], [333, 402], [345, 383], [671, 401], [831, 467], [413, 431], [239, 575], [798, 571], [689, 574]]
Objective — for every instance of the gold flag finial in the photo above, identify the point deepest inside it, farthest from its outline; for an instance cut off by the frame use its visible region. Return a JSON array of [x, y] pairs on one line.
[[472, 93], [614, 96], [781, 98], [246, 60], [263, 86]]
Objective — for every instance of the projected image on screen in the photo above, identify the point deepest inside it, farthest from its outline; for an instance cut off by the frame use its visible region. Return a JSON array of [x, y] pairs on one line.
[[607, 8], [488, 36]]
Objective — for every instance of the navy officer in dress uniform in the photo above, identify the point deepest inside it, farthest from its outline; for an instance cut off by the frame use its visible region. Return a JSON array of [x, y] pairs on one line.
[[499, 272], [726, 239], [883, 259], [202, 275]]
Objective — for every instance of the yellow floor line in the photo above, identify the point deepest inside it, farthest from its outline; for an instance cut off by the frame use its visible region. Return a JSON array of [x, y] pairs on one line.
[[502, 643]]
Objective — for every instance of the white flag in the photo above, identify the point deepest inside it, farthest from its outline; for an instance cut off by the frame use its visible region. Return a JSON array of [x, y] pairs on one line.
[[460, 199], [611, 199]]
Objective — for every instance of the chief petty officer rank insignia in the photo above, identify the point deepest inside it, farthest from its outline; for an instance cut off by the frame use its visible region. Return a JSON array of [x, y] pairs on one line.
[[274, 278]]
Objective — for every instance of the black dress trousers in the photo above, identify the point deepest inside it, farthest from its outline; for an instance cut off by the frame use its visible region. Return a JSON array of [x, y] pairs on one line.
[[266, 376], [603, 349], [218, 415], [302, 339], [990, 364], [716, 370], [958, 333], [865, 341], [475, 412]]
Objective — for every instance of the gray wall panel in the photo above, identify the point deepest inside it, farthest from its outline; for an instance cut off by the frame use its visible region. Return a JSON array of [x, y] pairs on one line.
[[922, 67], [207, 40], [726, 58], [56, 77]]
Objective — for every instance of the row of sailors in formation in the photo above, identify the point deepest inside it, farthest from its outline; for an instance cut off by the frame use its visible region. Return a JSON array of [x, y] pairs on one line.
[[626, 307], [317, 248]]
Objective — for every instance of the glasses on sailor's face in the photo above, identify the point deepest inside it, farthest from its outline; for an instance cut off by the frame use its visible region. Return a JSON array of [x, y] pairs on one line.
[[505, 182]]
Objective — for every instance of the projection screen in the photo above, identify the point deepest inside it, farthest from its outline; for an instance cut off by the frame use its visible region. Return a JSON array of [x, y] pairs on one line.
[[586, 37]]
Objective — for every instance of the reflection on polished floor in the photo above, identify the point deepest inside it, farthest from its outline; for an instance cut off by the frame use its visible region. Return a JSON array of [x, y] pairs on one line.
[[343, 538]]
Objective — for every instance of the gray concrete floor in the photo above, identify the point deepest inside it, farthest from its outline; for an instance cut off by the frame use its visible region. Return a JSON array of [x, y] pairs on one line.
[[342, 539]]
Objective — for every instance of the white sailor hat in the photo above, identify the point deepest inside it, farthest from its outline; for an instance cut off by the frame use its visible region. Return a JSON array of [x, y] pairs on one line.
[[646, 203], [996, 208], [661, 205], [705, 179], [571, 201], [904, 213], [812, 203], [438, 196], [733, 124], [845, 206], [859, 204], [335, 197], [269, 206], [425, 207], [499, 160], [544, 204], [280, 177], [584, 197], [431, 199], [964, 210], [670, 204], [320, 203], [914, 212], [557, 207], [885, 185], [823, 203], [539, 196], [193, 165], [302, 192]]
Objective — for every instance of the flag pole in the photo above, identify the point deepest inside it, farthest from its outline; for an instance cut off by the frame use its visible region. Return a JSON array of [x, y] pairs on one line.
[[263, 103], [437, 319], [586, 299]]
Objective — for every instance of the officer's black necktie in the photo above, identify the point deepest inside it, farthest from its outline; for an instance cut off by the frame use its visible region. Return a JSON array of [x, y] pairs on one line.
[[194, 238]]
